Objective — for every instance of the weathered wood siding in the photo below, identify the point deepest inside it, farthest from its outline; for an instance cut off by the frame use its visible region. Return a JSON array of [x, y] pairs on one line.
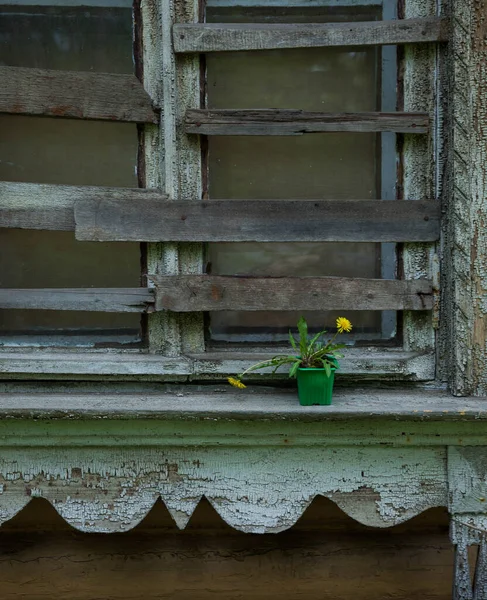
[[465, 273], [149, 219], [186, 293], [222, 37], [75, 95], [299, 122], [325, 556]]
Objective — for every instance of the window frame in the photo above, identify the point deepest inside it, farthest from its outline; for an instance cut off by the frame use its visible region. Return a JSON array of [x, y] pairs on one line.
[[171, 161]]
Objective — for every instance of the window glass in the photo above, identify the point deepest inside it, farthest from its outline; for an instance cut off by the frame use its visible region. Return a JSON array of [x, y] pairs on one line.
[[341, 166], [62, 151]]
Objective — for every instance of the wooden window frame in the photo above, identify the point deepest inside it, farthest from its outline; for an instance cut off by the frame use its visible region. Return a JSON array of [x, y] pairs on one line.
[[433, 82]]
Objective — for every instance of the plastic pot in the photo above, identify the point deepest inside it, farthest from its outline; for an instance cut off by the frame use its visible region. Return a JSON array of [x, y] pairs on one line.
[[315, 386]]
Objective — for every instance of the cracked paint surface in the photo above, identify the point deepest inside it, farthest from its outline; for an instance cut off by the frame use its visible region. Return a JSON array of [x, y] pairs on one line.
[[255, 490]]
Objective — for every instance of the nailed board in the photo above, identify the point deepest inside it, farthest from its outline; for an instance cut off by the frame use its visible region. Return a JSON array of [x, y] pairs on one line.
[[149, 220], [51, 207], [75, 95], [84, 299], [298, 122], [190, 293], [224, 37]]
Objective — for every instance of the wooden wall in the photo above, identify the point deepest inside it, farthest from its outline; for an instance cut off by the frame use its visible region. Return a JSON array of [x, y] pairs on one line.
[[324, 556]]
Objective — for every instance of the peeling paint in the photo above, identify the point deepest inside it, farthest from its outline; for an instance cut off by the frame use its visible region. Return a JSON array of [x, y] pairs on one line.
[[255, 490]]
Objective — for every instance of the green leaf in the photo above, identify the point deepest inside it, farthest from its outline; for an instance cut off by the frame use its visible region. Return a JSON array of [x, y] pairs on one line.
[[303, 336], [294, 369], [293, 341], [315, 339], [327, 369]]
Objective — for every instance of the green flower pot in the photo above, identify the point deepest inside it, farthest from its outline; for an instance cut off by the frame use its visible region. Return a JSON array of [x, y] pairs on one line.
[[314, 386]]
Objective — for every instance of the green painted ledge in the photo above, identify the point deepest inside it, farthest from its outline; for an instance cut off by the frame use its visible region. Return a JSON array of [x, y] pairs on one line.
[[220, 416]]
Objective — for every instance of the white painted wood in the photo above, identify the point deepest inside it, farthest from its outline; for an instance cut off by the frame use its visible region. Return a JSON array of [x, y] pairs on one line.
[[480, 579], [51, 207], [419, 167], [468, 480], [361, 363], [466, 273], [255, 490], [173, 161]]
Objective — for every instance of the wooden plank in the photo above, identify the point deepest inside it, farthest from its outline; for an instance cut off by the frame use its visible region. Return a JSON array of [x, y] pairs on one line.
[[224, 37], [117, 566], [75, 95], [187, 293], [359, 363], [51, 207], [298, 122], [118, 219], [90, 299]]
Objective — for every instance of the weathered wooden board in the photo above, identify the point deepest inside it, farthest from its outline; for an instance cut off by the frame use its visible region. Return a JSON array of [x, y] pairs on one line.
[[51, 207], [149, 220], [187, 293], [90, 299], [165, 414], [358, 364], [224, 37], [298, 122], [75, 95], [42, 557]]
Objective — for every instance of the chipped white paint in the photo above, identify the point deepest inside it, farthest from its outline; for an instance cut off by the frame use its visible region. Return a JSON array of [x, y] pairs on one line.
[[467, 482], [173, 161], [419, 162], [466, 304], [254, 490]]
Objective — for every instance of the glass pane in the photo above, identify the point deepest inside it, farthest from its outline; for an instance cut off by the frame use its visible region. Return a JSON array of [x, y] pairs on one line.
[[43, 150], [341, 166]]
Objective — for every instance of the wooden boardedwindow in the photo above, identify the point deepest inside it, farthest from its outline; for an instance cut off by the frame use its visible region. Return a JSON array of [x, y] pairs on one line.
[[193, 211]]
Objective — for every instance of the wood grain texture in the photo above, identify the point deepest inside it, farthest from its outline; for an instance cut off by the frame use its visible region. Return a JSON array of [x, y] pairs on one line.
[[465, 284], [224, 37], [298, 122], [173, 160], [51, 207], [166, 415], [74, 95], [213, 293], [420, 169], [84, 299], [325, 556], [480, 577], [118, 219], [359, 364]]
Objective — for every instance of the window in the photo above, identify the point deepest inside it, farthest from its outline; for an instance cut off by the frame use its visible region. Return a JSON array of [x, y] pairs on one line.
[[344, 166], [204, 171], [66, 36]]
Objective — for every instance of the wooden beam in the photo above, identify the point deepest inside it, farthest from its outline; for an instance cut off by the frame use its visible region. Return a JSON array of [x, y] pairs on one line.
[[117, 219], [298, 122], [224, 37], [75, 95], [84, 299], [51, 207], [189, 293]]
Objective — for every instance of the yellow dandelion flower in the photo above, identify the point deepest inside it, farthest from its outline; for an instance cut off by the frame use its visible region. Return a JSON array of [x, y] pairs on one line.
[[343, 324], [236, 383]]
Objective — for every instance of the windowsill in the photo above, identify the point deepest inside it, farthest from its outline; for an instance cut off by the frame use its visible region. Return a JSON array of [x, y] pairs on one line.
[[256, 403]]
